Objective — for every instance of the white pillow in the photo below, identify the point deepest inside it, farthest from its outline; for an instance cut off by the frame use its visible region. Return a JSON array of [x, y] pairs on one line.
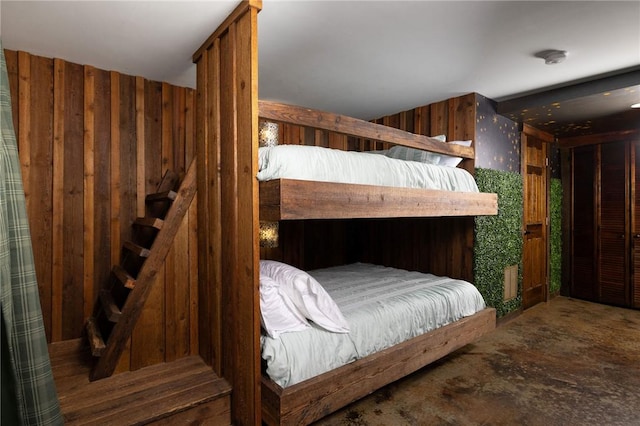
[[307, 295], [450, 161], [412, 154], [278, 314]]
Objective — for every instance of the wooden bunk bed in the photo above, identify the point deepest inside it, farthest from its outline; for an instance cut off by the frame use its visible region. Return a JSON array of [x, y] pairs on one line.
[[231, 203], [284, 199]]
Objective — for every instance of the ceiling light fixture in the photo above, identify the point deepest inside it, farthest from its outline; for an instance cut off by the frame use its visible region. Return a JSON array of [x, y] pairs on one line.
[[636, 105], [552, 56]]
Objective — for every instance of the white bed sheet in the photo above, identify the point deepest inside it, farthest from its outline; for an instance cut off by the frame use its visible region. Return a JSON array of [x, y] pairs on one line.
[[383, 306], [334, 165]]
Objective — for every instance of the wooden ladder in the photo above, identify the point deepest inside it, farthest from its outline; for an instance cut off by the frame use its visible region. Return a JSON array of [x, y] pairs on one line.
[[120, 303]]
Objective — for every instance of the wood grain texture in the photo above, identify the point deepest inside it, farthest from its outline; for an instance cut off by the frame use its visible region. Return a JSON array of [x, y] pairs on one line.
[[146, 280], [57, 223], [183, 391], [227, 145], [286, 199], [312, 399], [357, 128], [88, 185], [442, 247], [67, 116], [38, 191]]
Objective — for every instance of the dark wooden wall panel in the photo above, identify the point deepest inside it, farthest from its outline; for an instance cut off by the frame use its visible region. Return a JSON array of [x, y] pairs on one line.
[[36, 154], [227, 130], [72, 308], [92, 144]]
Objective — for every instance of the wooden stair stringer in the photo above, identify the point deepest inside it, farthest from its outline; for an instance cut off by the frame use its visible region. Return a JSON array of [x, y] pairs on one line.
[[117, 340]]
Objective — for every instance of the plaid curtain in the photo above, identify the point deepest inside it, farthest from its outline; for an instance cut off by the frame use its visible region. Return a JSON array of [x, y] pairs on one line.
[[35, 392]]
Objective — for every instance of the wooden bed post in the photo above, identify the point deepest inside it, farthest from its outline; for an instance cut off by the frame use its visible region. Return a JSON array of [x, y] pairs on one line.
[[227, 144]]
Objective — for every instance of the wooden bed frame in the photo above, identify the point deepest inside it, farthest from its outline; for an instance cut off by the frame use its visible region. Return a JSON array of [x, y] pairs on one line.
[[285, 199], [315, 398], [231, 203]]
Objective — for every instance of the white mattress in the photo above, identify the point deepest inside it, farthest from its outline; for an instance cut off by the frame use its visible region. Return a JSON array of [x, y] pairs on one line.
[[383, 306], [332, 165]]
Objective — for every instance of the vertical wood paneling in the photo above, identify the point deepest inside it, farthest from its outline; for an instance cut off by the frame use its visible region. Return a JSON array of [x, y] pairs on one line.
[[73, 223], [115, 165], [40, 176], [24, 125], [89, 167], [178, 111], [57, 224], [248, 299], [91, 147], [128, 159], [228, 196], [140, 146], [177, 283], [189, 126], [167, 154], [421, 121], [193, 268], [101, 180], [148, 338], [171, 332], [439, 118], [227, 137]]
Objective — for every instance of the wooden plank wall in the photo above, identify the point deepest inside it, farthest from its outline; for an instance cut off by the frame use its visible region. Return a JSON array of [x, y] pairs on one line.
[[227, 142], [443, 246], [92, 144]]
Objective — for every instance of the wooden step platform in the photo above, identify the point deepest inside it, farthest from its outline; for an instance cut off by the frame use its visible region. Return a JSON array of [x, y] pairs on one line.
[[185, 391]]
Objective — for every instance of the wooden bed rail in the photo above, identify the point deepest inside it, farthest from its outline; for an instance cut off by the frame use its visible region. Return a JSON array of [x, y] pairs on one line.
[[350, 126]]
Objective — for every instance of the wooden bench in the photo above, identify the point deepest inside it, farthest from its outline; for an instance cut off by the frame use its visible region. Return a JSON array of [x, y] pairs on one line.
[[185, 391]]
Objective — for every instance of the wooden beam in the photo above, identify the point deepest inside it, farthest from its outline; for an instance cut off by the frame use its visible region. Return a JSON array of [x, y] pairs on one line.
[[358, 128], [286, 199]]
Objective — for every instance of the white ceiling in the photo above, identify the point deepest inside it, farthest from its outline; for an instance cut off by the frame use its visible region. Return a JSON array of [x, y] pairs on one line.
[[361, 58]]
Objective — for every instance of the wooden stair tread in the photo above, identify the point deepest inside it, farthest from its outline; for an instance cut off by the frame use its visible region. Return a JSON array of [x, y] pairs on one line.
[[161, 196], [94, 337], [123, 277], [136, 249], [150, 222], [134, 397], [109, 306], [169, 181]]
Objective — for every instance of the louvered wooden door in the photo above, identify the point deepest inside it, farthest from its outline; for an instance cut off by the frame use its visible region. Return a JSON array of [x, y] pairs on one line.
[[605, 223], [613, 242], [583, 282], [635, 223]]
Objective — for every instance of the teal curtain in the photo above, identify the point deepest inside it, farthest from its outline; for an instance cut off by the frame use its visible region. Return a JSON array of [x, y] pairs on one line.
[[27, 380]]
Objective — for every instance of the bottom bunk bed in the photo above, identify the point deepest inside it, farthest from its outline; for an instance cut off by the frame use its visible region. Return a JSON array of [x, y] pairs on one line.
[[386, 322]]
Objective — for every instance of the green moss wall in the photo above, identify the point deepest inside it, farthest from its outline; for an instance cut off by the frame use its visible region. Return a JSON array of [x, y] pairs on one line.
[[555, 215], [498, 239]]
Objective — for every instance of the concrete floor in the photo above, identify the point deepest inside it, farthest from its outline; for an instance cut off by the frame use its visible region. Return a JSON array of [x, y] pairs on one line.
[[566, 362]]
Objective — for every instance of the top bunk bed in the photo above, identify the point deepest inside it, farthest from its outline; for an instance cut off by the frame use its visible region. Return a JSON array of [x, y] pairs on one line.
[[304, 195]]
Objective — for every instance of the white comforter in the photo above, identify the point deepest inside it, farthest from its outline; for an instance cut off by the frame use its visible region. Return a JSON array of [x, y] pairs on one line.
[[333, 165], [383, 306]]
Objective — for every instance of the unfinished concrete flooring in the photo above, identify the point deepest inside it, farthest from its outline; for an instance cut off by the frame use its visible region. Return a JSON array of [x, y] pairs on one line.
[[566, 362]]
